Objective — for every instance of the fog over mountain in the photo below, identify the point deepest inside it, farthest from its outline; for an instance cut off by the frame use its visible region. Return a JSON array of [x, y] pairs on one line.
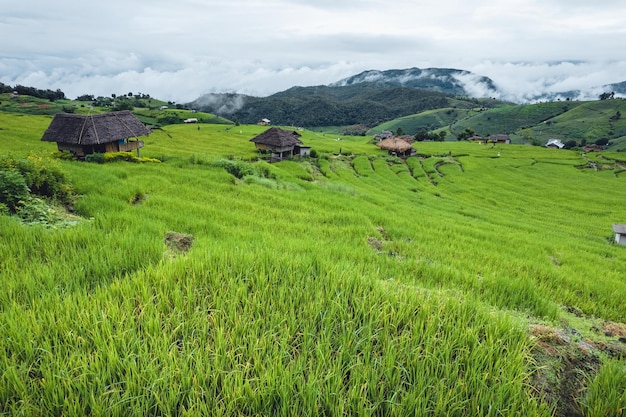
[[466, 83], [451, 81]]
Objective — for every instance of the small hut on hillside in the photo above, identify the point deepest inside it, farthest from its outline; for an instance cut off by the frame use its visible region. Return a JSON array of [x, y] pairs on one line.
[[555, 144], [281, 143], [97, 133], [397, 146]]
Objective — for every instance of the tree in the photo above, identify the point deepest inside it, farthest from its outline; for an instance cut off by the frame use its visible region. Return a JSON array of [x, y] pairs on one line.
[[85, 97], [123, 105], [607, 96], [466, 134], [602, 142], [570, 144]]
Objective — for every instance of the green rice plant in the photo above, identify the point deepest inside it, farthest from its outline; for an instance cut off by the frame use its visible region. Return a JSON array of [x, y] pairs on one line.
[[415, 168], [281, 304], [324, 167], [362, 166], [606, 392]]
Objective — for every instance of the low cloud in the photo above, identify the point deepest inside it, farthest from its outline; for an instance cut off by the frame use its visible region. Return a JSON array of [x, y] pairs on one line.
[[178, 51], [517, 82], [524, 82]]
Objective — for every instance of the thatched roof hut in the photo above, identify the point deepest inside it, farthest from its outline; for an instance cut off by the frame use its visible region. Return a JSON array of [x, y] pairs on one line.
[[283, 143], [396, 145], [277, 137], [86, 134]]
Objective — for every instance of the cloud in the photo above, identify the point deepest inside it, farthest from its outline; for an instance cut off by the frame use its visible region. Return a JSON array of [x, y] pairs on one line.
[[522, 81], [180, 50]]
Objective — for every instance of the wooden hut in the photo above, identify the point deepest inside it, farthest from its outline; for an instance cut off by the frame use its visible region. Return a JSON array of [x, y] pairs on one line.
[[98, 133], [281, 143], [397, 146]]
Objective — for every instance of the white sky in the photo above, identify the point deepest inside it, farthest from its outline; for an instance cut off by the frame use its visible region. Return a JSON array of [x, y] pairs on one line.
[[180, 49]]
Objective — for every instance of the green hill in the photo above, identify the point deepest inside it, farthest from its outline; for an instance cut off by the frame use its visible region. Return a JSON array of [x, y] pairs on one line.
[[467, 280], [583, 122], [368, 103], [427, 120], [151, 111]]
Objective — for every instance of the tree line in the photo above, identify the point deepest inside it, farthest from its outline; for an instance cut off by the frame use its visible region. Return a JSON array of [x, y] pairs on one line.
[[32, 91]]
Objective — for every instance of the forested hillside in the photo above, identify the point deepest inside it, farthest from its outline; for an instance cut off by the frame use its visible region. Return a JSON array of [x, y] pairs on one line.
[[365, 103]]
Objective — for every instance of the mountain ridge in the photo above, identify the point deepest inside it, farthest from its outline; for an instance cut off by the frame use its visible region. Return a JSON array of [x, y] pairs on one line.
[[373, 96]]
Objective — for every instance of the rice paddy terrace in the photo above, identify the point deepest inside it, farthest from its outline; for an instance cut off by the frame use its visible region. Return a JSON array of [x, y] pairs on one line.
[[467, 280]]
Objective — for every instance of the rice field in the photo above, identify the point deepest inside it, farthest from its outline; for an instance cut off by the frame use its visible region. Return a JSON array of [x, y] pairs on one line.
[[351, 284]]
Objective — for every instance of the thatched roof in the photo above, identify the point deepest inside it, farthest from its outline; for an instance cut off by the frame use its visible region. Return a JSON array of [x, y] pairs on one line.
[[94, 129], [277, 137], [395, 144]]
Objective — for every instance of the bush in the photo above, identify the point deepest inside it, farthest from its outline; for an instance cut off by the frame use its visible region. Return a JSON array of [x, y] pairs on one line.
[[241, 169], [35, 210], [98, 158], [570, 144], [120, 156], [236, 168], [44, 177], [33, 175], [13, 189]]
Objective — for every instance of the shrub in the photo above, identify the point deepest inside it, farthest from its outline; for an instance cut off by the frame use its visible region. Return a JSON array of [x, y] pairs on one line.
[[237, 168], [95, 157], [34, 175], [120, 156], [570, 144], [44, 177], [35, 210], [13, 189]]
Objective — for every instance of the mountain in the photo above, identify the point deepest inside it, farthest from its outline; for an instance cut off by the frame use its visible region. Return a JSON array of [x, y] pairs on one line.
[[618, 88], [363, 103], [444, 80], [369, 98], [374, 97]]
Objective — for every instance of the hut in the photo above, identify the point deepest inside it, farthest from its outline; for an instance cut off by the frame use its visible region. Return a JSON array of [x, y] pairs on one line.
[[98, 133], [383, 135], [555, 144], [620, 233], [500, 138], [397, 146], [281, 143]]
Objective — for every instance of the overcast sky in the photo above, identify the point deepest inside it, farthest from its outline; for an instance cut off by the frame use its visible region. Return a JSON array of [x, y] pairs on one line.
[[180, 49]]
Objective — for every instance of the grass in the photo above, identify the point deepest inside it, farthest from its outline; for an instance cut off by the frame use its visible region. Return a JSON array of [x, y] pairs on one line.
[[354, 284]]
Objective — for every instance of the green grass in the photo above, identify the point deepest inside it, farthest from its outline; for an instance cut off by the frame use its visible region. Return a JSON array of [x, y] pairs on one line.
[[353, 284], [428, 120]]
